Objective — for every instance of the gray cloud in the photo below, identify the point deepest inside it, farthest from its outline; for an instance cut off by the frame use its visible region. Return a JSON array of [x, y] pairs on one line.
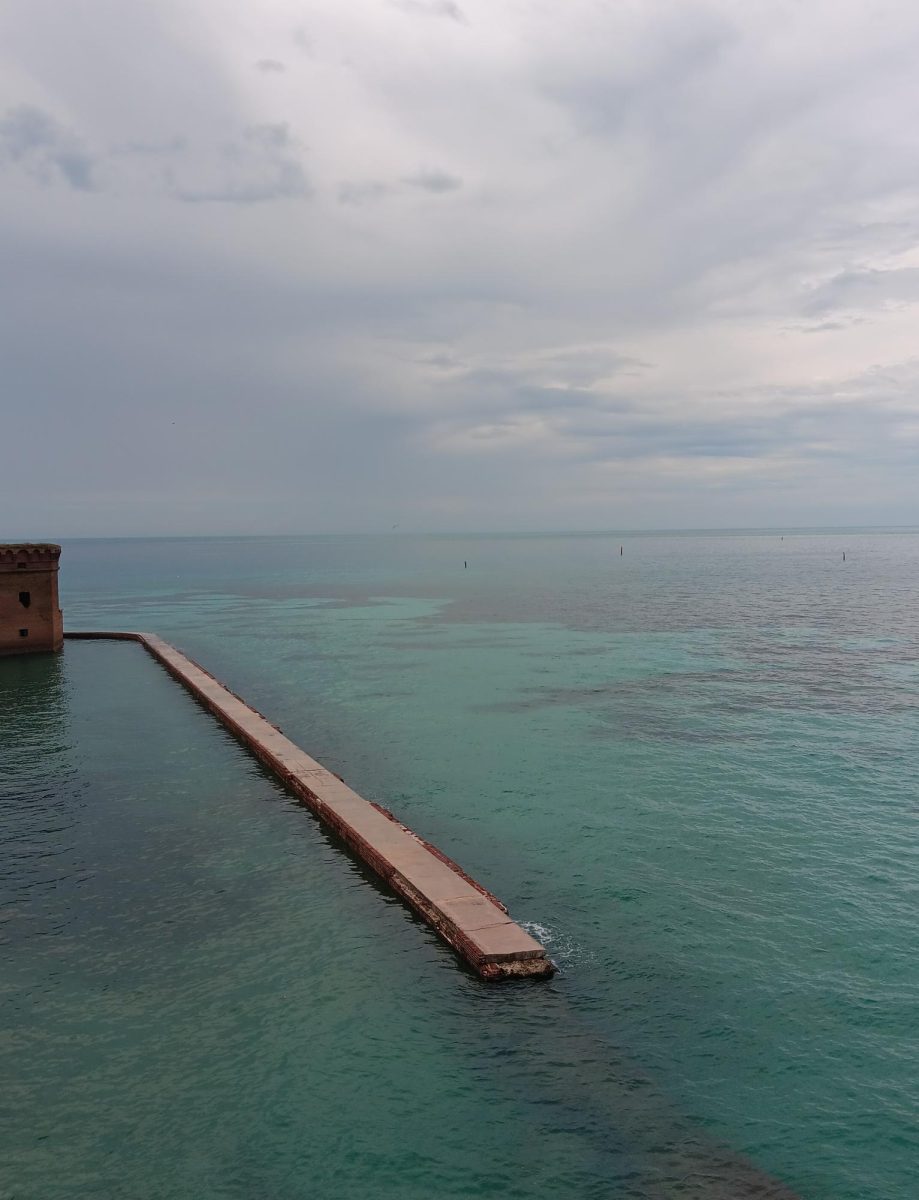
[[572, 371], [367, 191], [253, 169], [258, 165], [364, 191], [650, 94], [302, 40], [833, 326], [865, 289], [862, 417], [270, 65], [167, 147], [433, 181], [432, 8], [683, 288], [44, 148]]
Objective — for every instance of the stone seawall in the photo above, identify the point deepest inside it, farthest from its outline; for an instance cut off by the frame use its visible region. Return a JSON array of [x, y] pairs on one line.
[[458, 909]]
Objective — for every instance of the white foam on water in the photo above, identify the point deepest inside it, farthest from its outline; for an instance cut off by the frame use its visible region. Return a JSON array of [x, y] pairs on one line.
[[564, 951]]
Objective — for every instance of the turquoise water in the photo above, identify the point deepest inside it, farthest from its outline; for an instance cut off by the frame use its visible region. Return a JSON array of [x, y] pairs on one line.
[[692, 769]]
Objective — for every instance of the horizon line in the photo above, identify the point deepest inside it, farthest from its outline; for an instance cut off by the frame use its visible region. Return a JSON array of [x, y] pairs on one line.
[[475, 533]]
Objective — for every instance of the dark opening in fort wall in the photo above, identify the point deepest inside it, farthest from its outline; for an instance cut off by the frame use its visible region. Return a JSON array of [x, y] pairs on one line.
[[462, 912]]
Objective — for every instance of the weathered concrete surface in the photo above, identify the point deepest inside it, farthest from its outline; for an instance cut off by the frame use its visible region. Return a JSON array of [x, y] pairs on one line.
[[460, 910], [30, 619]]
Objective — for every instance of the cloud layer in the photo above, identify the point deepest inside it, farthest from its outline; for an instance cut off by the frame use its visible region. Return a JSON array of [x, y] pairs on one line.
[[295, 266]]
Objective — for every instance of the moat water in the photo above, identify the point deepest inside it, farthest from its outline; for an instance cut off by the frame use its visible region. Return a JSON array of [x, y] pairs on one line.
[[692, 769]]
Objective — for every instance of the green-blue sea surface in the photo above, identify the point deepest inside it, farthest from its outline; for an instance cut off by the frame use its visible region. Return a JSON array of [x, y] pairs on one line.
[[690, 768]]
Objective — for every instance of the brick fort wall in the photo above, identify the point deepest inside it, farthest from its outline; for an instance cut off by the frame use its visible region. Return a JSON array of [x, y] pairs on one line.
[[30, 618]]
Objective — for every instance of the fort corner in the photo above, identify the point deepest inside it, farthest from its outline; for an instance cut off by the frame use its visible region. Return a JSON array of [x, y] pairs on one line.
[[30, 617]]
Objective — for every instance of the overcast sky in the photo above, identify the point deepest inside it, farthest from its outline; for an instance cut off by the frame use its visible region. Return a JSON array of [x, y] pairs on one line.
[[332, 265]]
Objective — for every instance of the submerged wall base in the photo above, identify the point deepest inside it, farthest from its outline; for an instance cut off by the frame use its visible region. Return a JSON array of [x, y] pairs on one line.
[[457, 908]]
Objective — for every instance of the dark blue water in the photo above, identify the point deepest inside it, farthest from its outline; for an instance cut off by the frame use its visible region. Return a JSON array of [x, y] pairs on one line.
[[692, 769]]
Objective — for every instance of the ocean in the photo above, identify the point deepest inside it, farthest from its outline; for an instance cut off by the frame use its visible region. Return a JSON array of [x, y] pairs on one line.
[[690, 768]]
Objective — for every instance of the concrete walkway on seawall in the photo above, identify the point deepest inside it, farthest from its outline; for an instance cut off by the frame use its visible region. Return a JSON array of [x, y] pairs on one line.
[[460, 910]]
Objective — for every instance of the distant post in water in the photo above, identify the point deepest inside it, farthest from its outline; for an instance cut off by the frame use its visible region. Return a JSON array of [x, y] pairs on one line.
[[30, 617]]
